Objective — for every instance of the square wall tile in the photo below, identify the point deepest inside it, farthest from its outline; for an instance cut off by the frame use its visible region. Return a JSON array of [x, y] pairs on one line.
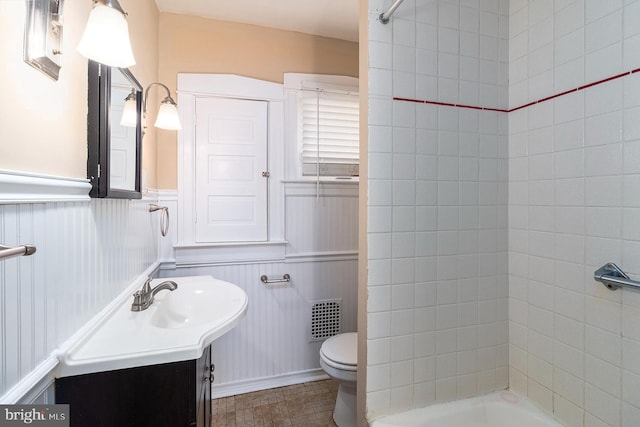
[[603, 32]]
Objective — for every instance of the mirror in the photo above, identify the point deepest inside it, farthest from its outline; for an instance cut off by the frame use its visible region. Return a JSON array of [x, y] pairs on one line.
[[115, 151]]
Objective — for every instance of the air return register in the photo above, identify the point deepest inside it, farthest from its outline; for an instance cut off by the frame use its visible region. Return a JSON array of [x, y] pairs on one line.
[[325, 319]]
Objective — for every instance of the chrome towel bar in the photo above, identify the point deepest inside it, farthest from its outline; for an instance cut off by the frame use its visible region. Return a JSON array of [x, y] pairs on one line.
[[285, 279], [10, 252], [384, 17], [164, 219], [613, 277]]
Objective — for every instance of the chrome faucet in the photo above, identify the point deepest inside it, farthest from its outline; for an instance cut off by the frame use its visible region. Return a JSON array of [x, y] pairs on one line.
[[143, 298]]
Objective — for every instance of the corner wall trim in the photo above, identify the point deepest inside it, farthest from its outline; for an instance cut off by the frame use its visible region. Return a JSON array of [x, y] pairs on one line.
[[33, 384], [23, 187]]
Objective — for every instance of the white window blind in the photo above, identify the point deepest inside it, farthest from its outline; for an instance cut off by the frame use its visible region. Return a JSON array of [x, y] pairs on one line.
[[329, 133]]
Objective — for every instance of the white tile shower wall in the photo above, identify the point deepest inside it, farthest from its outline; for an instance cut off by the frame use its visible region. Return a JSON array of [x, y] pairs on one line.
[[573, 206], [87, 253], [437, 208]]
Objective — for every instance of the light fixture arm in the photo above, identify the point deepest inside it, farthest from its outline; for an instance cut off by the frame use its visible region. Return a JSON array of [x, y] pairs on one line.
[[167, 99], [168, 117], [132, 95], [114, 4]]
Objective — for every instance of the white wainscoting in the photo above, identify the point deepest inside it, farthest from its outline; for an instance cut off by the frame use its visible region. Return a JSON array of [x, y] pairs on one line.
[[87, 253], [271, 346], [321, 223]]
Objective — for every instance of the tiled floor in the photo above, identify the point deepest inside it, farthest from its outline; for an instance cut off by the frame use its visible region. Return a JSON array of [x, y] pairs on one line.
[[301, 405]]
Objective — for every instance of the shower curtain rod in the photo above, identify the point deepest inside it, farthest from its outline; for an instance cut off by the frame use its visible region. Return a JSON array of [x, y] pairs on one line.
[[384, 17]]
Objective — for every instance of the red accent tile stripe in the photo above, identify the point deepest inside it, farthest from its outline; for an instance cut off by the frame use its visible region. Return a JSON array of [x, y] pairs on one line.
[[500, 110], [449, 104]]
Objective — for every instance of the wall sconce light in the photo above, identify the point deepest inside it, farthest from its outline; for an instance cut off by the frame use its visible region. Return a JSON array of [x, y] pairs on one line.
[[43, 36], [167, 118], [106, 36], [129, 112]]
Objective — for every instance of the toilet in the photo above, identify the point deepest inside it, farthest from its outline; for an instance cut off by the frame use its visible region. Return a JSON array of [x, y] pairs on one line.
[[339, 358]]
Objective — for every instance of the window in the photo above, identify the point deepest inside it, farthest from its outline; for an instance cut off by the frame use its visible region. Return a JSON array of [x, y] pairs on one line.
[[326, 122], [328, 130]]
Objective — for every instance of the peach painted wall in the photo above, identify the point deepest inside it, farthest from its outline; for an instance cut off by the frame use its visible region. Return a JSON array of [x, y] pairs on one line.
[[43, 123], [198, 45], [143, 26]]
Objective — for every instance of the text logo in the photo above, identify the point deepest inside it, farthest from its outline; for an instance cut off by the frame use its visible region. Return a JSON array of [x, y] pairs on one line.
[[34, 415]]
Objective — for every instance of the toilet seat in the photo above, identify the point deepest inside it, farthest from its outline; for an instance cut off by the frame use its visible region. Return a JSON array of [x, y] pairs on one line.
[[341, 351]]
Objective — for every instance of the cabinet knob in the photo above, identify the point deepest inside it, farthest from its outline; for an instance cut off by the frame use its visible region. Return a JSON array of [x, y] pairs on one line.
[[210, 378], [212, 367]]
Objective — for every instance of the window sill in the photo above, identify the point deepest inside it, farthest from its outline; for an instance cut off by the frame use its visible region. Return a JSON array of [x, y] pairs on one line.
[[228, 244], [325, 189], [220, 253], [323, 180]]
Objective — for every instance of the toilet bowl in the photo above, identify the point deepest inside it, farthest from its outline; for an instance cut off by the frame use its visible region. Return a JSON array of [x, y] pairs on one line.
[[338, 358]]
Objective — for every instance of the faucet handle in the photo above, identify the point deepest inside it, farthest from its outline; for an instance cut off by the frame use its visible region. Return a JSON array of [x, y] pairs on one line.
[[146, 288], [138, 301], [137, 297]]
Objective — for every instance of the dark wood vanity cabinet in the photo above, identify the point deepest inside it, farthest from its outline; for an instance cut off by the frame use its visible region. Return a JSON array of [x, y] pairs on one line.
[[171, 394]]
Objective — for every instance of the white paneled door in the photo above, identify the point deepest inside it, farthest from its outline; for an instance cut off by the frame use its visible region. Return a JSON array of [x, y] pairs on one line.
[[122, 165], [231, 170]]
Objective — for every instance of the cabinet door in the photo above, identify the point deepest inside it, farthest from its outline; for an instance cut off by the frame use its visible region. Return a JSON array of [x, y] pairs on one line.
[[231, 166], [203, 389], [148, 396]]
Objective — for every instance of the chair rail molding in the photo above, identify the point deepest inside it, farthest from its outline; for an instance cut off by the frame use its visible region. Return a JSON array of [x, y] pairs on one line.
[[25, 187]]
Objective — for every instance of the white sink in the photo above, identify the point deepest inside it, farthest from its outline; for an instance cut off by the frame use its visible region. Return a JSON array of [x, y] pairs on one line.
[[195, 303], [178, 326]]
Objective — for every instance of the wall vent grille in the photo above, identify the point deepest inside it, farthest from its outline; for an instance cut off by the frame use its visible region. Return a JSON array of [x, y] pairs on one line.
[[325, 319]]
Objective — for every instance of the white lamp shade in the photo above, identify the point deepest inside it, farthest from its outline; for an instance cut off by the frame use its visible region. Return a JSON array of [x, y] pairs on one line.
[[168, 117], [106, 38], [129, 114]]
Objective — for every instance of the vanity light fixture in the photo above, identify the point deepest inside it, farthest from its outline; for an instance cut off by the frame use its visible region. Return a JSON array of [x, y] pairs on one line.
[[106, 36], [129, 112], [167, 118], [43, 36]]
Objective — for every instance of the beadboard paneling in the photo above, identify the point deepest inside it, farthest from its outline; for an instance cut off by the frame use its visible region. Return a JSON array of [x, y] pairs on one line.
[[326, 224], [273, 339], [87, 253], [272, 342]]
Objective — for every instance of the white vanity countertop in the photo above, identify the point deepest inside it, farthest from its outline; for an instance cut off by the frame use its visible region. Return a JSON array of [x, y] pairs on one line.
[[178, 326]]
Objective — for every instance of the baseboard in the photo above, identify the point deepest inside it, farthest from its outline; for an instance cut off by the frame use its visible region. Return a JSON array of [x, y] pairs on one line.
[[265, 383]]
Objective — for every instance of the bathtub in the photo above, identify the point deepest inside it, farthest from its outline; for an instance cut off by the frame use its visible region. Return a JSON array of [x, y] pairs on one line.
[[499, 409]]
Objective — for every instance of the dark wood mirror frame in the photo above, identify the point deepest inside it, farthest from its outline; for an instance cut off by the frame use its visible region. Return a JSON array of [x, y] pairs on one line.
[[99, 133]]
